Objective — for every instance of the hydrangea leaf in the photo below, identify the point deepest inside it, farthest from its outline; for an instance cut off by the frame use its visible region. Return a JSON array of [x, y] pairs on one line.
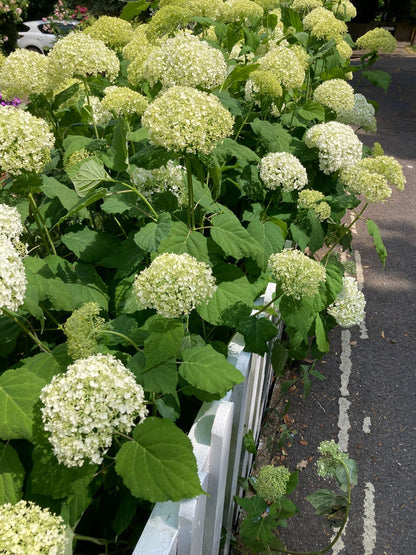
[[90, 174], [321, 335], [181, 240], [159, 463], [379, 78], [374, 231], [150, 236], [273, 136], [12, 475], [208, 370], [19, 392], [89, 245], [228, 148], [257, 332], [269, 235], [233, 238], [164, 341], [43, 365]]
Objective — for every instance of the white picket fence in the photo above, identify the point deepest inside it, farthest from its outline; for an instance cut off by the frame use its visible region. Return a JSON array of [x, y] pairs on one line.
[[197, 526]]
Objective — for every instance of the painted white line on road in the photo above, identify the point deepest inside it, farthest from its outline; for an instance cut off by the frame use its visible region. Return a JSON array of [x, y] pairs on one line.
[[343, 423], [345, 361], [339, 546], [367, 425], [360, 281], [370, 529]]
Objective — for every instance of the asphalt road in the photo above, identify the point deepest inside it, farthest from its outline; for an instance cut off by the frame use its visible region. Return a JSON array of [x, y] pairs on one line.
[[367, 401]]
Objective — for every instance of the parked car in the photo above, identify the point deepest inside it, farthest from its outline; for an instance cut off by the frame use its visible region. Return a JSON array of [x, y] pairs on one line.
[[37, 35]]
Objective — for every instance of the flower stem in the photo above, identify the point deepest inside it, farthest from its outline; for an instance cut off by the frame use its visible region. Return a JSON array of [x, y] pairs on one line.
[[87, 92], [32, 336], [191, 212], [40, 222], [127, 339]]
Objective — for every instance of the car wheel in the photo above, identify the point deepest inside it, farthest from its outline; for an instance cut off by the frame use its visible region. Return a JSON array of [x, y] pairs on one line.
[[34, 49]]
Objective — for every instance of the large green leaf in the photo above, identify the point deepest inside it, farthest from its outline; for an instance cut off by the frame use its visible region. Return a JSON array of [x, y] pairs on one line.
[[89, 245], [233, 290], [233, 238], [162, 378], [12, 475], [52, 188], [43, 365], [19, 392], [229, 148], [134, 8], [208, 370], [379, 78], [164, 340], [182, 240], [257, 332], [270, 237], [159, 464], [150, 236], [374, 231], [272, 135], [89, 175]]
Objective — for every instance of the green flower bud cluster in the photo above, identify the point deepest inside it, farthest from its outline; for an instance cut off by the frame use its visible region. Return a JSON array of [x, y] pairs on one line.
[[272, 482], [331, 457], [82, 329]]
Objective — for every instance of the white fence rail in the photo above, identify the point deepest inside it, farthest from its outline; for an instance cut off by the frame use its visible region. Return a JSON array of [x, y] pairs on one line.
[[195, 526]]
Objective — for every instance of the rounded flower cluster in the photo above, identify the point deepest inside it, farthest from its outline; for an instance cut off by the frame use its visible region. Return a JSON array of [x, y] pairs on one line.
[[135, 68], [99, 114], [361, 115], [240, 10], [25, 141], [370, 177], [81, 330], [348, 308], [82, 408], [26, 528], [77, 156], [323, 24], [166, 178], [344, 49], [113, 31], [281, 169], [377, 40], [262, 83], [331, 457], [138, 41], [338, 145], [10, 222], [185, 119], [285, 64], [123, 101], [199, 8], [298, 275], [23, 73], [272, 482], [186, 60], [79, 55], [305, 6], [344, 9], [168, 19], [12, 276], [174, 284], [309, 198], [268, 5], [336, 94]]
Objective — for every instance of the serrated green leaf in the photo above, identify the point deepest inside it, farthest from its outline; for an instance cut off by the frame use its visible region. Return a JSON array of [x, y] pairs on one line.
[[270, 237], [19, 392], [89, 175], [374, 231], [208, 370], [12, 475], [164, 341], [52, 188], [133, 9], [43, 365], [379, 78], [272, 135], [233, 238], [182, 240], [228, 148], [89, 245], [279, 358], [150, 236], [159, 463], [249, 443], [239, 73], [312, 110], [321, 335], [254, 505], [257, 332], [81, 204], [162, 378]]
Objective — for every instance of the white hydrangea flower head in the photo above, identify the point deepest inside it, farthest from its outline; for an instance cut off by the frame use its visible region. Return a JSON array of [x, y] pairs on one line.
[[272, 482], [338, 145], [240, 10], [12, 276], [186, 60], [113, 31], [198, 8], [344, 50], [344, 9], [323, 24], [27, 529], [83, 408], [137, 42], [308, 198], [25, 141], [336, 94], [281, 169], [298, 275], [377, 40], [79, 55], [284, 62], [262, 83], [331, 457], [10, 222], [269, 5], [348, 308], [100, 115], [166, 178], [24, 73], [235, 53], [135, 69], [361, 181], [386, 166], [305, 6], [174, 284], [184, 119], [123, 101], [361, 115]]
